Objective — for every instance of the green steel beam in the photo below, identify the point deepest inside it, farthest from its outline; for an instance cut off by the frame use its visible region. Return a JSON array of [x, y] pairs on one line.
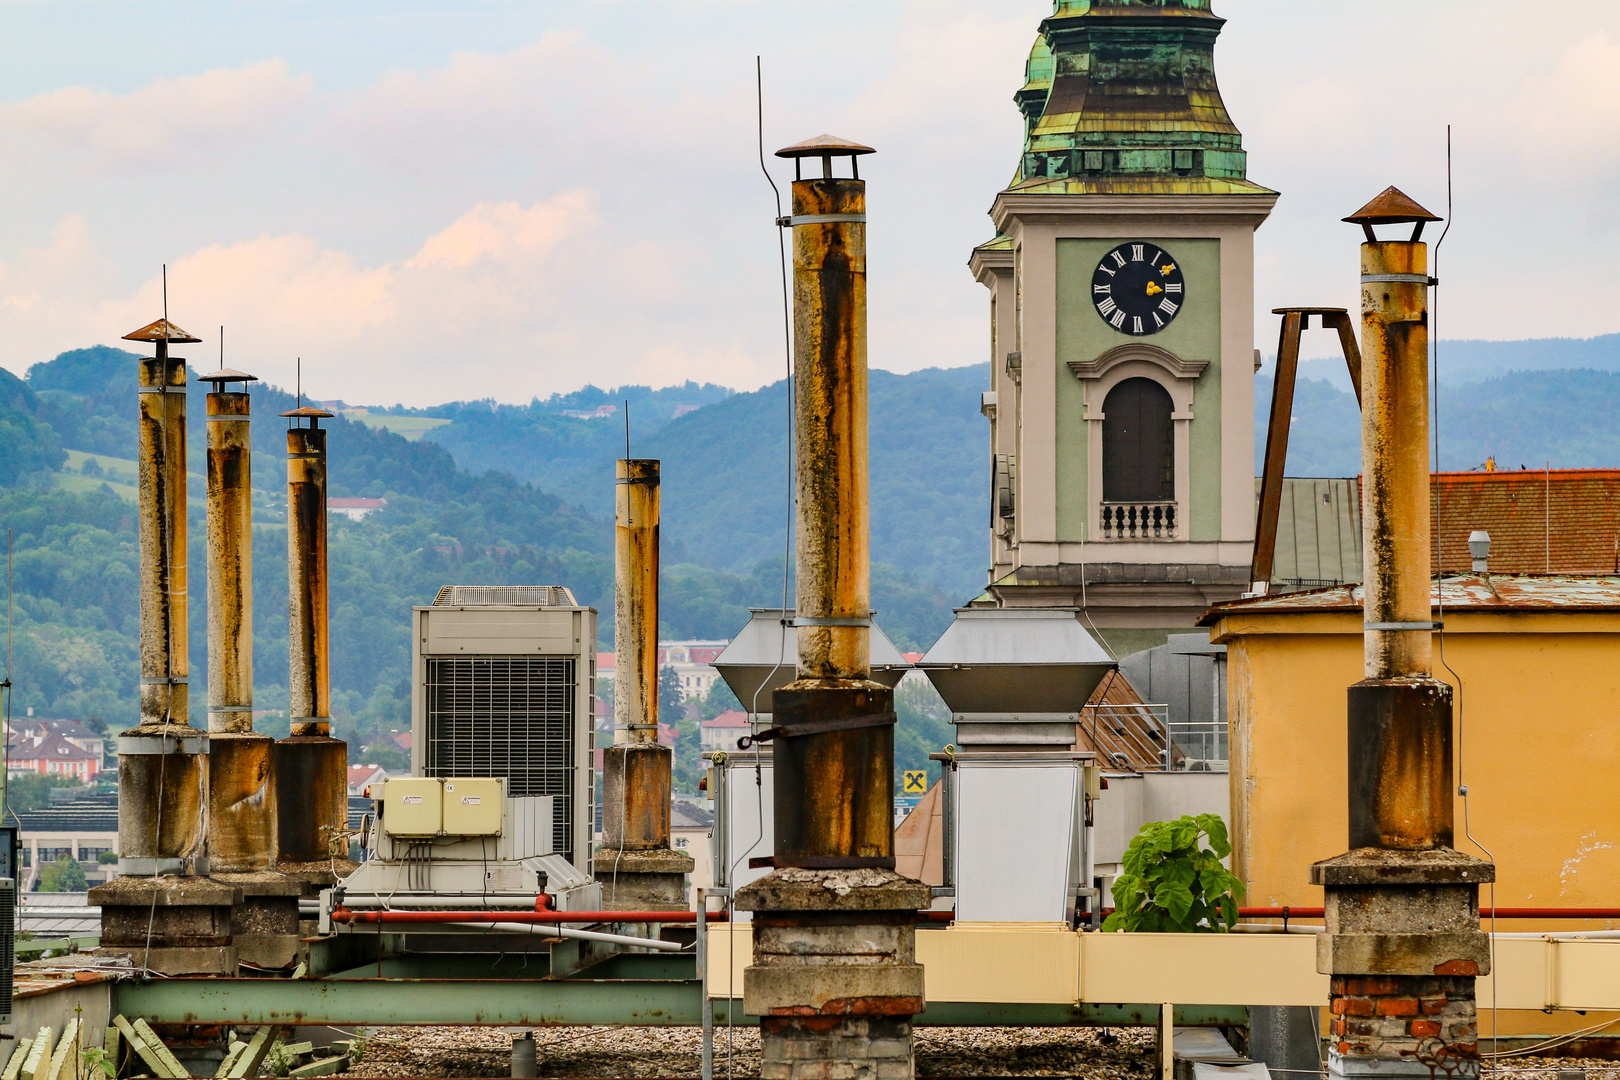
[[517, 1002], [504, 1002]]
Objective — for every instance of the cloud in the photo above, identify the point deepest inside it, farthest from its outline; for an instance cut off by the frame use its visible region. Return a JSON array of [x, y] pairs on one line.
[[1566, 119], [164, 123]]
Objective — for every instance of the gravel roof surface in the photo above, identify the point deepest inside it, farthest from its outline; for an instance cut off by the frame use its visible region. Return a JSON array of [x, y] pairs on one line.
[[1122, 1054]]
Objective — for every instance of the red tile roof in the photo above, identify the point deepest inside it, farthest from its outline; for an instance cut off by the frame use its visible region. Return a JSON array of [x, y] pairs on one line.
[[1563, 521], [1462, 592], [729, 719]]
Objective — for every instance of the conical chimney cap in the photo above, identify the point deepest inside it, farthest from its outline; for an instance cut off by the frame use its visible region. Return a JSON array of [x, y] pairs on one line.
[[162, 330], [1392, 205], [824, 146], [227, 375]]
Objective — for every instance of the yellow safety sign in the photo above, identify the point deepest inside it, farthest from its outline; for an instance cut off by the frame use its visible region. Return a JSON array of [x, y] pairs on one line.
[[916, 782]]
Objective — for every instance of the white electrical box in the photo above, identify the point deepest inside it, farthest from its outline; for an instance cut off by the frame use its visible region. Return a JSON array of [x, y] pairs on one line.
[[472, 807], [413, 806]]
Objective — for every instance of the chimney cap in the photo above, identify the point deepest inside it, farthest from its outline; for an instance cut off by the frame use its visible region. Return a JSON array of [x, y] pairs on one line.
[[162, 330], [1479, 544], [824, 146], [1391, 206], [310, 411], [227, 375]]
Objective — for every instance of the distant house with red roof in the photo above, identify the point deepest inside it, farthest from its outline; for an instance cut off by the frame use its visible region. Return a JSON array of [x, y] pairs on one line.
[[724, 730], [50, 754], [363, 776]]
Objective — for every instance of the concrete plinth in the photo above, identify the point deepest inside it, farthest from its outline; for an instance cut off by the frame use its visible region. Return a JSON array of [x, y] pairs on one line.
[[653, 880], [173, 925], [835, 979], [264, 926], [1403, 946]]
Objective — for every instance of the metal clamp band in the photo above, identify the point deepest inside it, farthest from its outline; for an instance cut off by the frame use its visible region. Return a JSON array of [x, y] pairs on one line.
[[232, 416], [817, 727], [230, 708], [1403, 626], [301, 457], [1408, 279], [172, 680], [652, 480], [135, 745], [825, 620], [160, 389], [635, 727], [821, 219]]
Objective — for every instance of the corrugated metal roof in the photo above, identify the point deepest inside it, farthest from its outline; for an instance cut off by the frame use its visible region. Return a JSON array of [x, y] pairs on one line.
[[1463, 592], [1318, 532], [1117, 722]]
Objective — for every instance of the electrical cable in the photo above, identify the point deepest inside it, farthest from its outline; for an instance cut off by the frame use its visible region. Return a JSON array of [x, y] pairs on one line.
[[1439, 584]]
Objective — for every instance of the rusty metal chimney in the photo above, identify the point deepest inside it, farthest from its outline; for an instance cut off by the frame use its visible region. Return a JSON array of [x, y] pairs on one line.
[[1402, 904], [311, 767], [635, 863], [241, 791], [160, 907], [834, 978], [162, 763]]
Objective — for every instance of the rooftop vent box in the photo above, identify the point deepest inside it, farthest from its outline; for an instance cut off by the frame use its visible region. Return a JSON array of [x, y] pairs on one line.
[[763, 658], [1016, 676]]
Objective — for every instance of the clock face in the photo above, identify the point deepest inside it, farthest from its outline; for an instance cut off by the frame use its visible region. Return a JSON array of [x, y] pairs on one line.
[[1138, 288]]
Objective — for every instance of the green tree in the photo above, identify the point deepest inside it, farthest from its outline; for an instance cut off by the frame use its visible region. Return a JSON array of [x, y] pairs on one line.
[[671, 698], [63, 875], [719, 699], [1172, 883], [32, 791]]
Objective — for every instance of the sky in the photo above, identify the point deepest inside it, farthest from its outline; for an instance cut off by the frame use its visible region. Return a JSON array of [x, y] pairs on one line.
[[433, 201]]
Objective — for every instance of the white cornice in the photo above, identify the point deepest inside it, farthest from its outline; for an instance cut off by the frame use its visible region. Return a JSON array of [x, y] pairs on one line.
[[1052, 209], [985, 262]]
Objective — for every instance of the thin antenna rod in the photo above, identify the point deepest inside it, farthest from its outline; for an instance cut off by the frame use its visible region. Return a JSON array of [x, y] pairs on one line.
[[165, 301], [627, 429], [222, 348], [5, 751], [298, 382]]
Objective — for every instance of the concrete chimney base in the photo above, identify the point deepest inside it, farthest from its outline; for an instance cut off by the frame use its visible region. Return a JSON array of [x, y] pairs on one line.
[[826, 1009]]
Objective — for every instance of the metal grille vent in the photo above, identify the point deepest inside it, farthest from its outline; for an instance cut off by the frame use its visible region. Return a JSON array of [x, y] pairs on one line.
[[511, 717], [8, 943], [504, 596]]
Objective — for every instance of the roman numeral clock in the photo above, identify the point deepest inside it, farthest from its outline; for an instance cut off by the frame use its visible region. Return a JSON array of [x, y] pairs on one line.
[[1138, 288]]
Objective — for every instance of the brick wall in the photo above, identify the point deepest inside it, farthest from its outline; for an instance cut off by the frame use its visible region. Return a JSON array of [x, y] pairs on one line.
[[836, 1048], [1424, 1021]]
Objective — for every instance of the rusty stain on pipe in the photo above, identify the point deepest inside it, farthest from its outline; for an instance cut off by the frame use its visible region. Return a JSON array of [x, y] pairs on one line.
[[162, 762], [830, 419], [1395, 441], [635, 601], [241, 788], [636, 770], [310, 766]]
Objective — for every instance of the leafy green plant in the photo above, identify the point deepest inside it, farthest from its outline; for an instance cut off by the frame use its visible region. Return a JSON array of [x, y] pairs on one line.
[[96, 1060], [1173, 883]]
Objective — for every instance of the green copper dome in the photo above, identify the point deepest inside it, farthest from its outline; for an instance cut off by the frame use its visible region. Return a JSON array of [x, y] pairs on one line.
[[1121, 95]]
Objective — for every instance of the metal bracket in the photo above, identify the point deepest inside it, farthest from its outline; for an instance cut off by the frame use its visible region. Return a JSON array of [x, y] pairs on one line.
[[825, 620], [162, 744], [1403, 626], [817, 727], [166, 680]]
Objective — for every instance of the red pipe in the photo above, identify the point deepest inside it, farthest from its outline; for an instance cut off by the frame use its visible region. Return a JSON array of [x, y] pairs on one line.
[[344, 915], [1484, 913]]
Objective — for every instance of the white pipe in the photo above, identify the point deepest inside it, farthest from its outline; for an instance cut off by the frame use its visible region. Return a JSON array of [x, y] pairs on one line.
[[570, 932]]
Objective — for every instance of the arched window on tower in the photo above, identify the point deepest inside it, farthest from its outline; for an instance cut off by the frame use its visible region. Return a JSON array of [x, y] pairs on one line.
[[1139, 461]]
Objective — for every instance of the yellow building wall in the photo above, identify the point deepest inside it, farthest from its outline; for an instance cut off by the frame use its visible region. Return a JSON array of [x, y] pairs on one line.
[[1538, 717]]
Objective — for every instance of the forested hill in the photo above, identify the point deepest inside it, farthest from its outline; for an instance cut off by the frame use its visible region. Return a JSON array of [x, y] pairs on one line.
[[725, 469], [67, 435]]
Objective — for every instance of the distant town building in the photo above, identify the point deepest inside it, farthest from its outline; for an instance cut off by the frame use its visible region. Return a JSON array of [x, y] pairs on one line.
[[355, 509], [52, 755], [74, 731], [691, 829], [363, 776], [693, 662], [601, 412], [82, 828], [724, 730]]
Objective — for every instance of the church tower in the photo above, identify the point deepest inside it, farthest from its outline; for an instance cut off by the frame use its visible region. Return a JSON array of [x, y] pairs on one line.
[[1121, 286]]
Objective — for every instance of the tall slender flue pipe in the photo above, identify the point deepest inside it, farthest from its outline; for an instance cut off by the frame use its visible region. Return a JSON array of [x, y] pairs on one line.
[[241, 787], [163, 761], [311, 766]]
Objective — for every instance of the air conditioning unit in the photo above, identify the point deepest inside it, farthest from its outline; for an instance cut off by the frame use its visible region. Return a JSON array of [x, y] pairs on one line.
[[504, 685], [8, 944]]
